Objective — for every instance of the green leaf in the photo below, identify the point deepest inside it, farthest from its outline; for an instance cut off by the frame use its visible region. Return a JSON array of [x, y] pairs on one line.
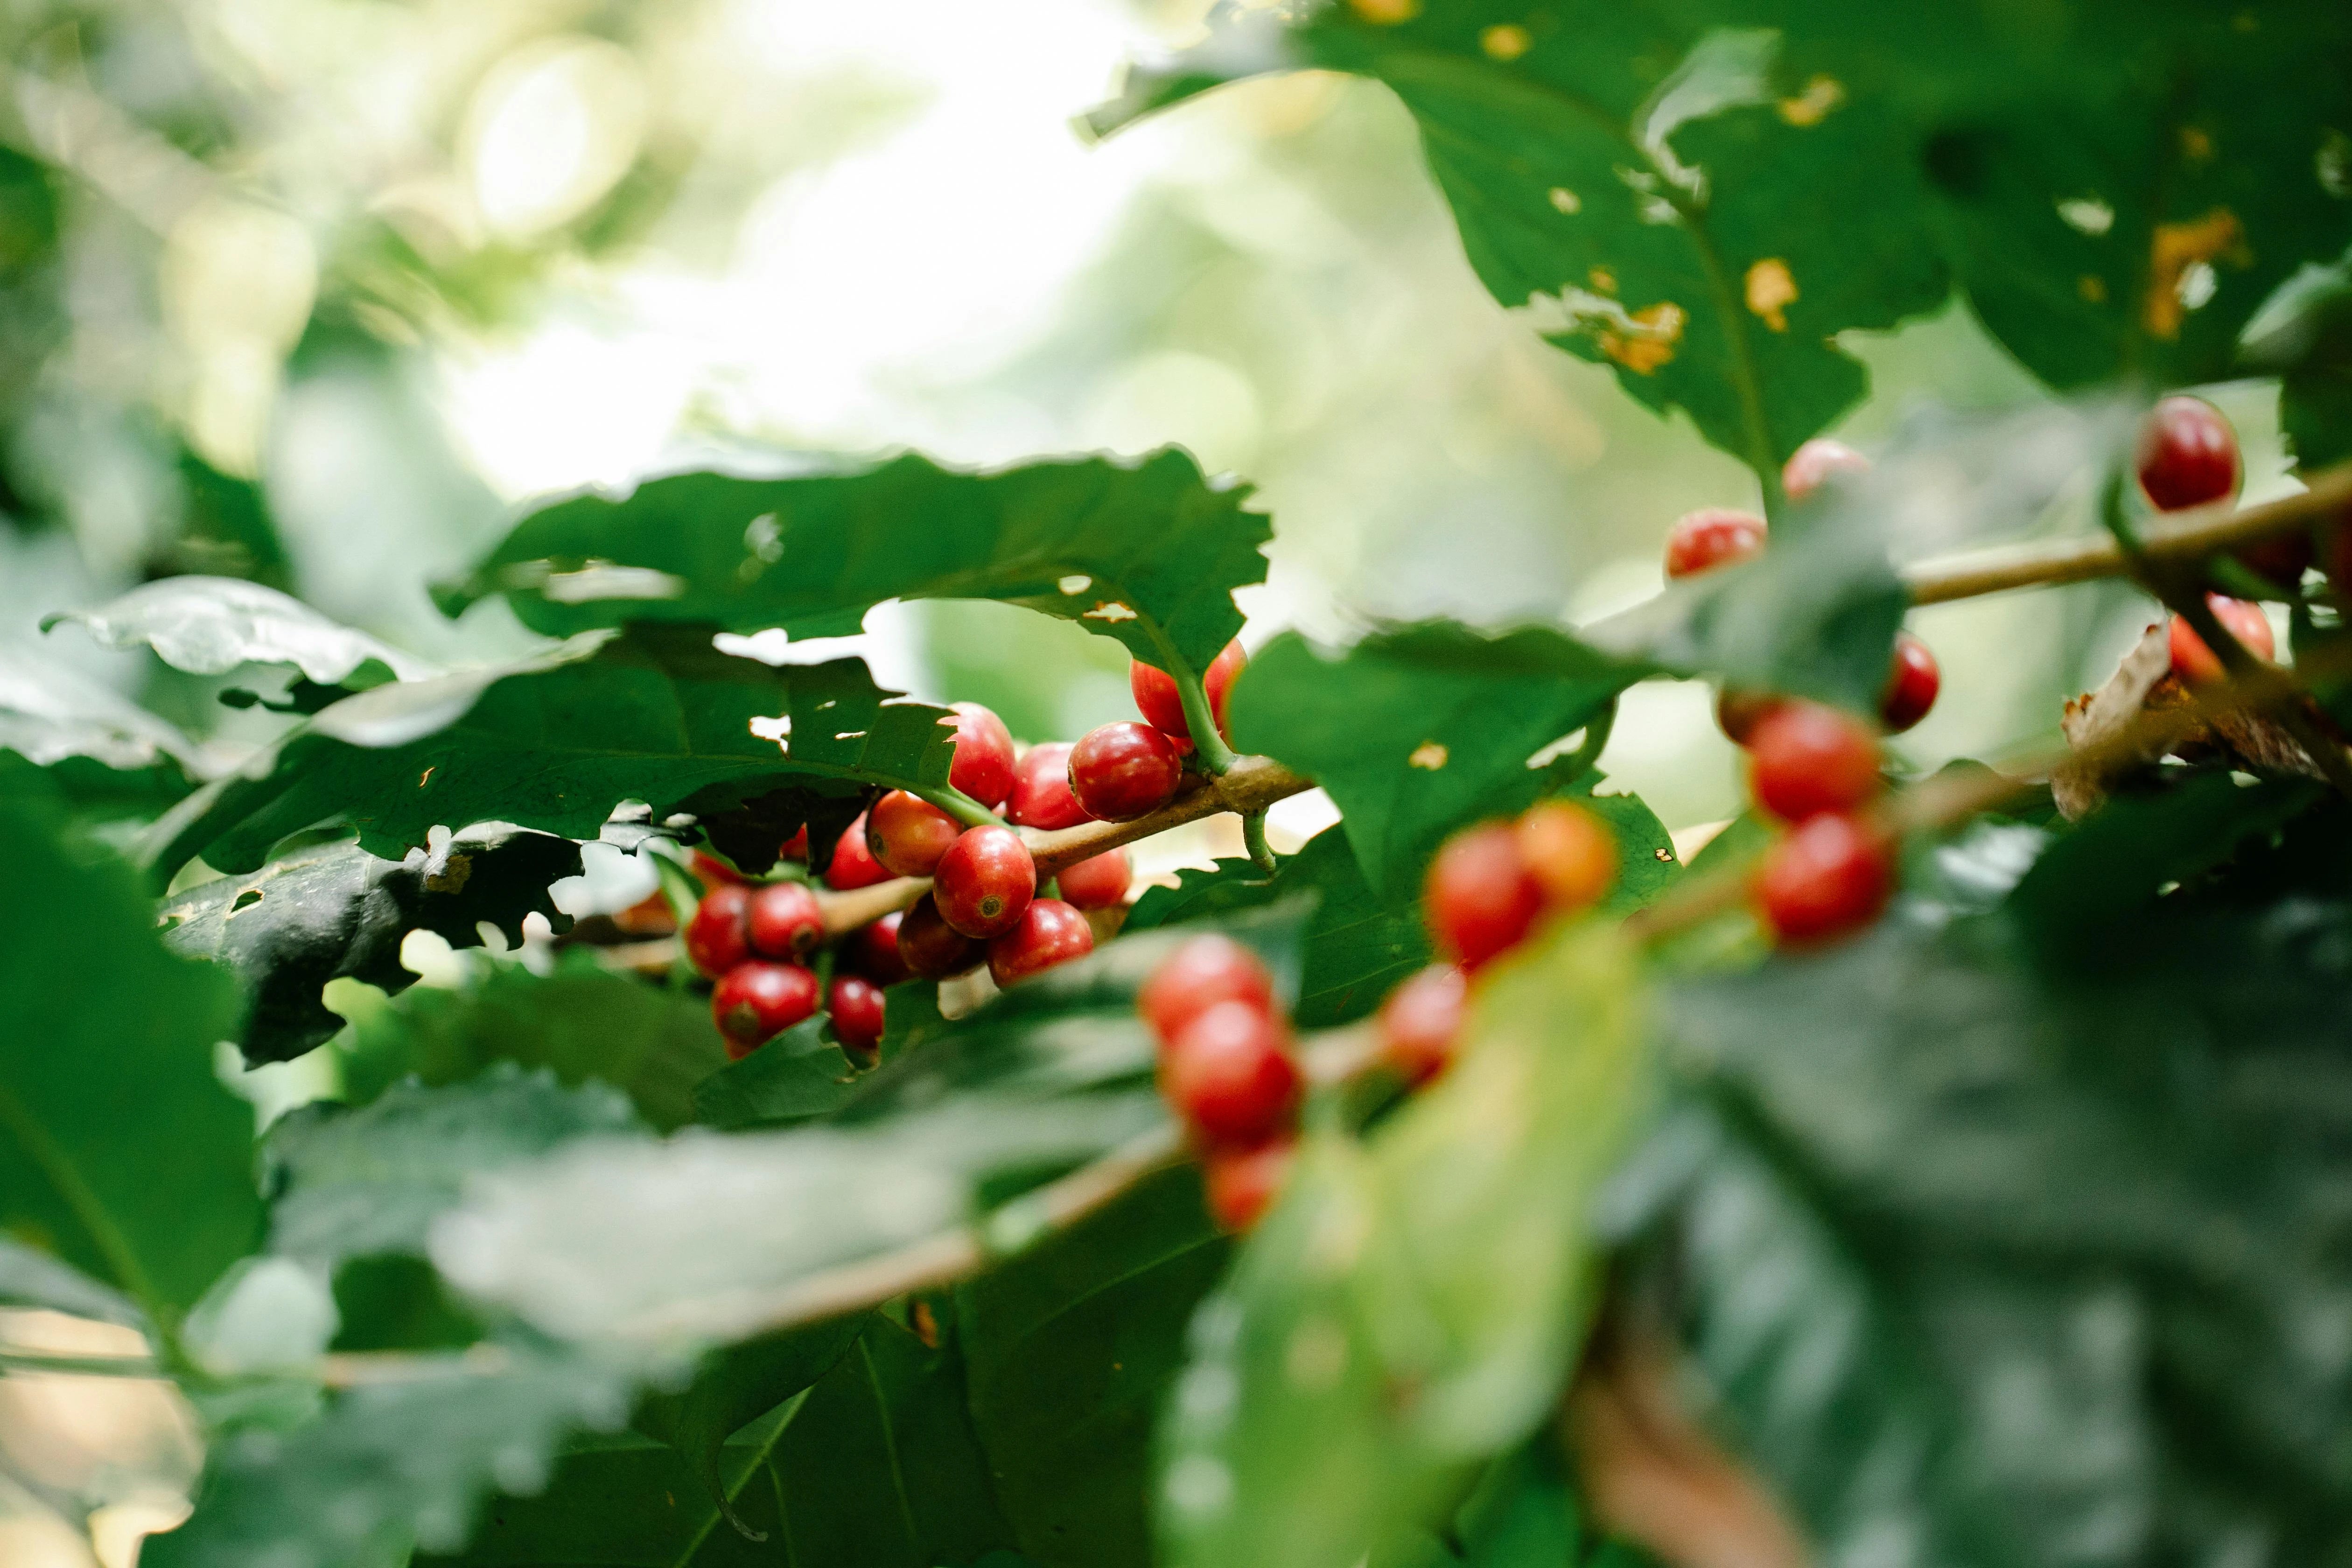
[[390, 1466], [875, 1467], [737, 1383], [210, 626], [2304, 335], [1415, 731], [1356, 948], [799, 1074], [1412, 1304], [703, 1238], [813, 553], [2042, 1229], [334, 911], [2120, 194], [655, 715], [120, 1152], [2116, 189], [101, 746], [348, 1182], [1069, 1351], [1653, 189], [580, 1021]]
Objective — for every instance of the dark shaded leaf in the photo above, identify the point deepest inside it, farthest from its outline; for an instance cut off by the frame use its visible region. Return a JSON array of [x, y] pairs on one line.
[[334, 911], [580, 1021], [813, 553], [1069, 1351], [737, 1385], [2048, 1236], [875, 1466]]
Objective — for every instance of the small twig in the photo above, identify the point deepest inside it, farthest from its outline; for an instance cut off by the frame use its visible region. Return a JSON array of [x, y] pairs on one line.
[[1252, 784], [2185, 536]]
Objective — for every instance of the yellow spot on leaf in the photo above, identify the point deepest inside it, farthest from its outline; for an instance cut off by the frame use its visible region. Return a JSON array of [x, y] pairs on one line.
[[2093, 288], [1566, 200], [2196, 145], [2175, 248], [1385, 13], [1504, 41], [1812, 106], [426, 777], [1109, 610], [1771, 292], [1428, 754], [1648, 338], [1603, 279]]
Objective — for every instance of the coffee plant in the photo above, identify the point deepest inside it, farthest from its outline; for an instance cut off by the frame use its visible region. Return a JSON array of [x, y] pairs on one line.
[[1936, 1170]]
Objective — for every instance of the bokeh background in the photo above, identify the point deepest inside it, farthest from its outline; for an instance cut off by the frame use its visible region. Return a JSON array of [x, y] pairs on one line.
[[315, 291]]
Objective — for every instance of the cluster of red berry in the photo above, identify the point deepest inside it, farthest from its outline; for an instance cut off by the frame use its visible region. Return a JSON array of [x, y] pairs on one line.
[[1717, 536], [755, 940], [1486, 890], [1228, 1067]]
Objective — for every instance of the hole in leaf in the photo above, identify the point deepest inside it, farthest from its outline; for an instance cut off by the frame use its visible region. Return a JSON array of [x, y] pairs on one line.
[[246, 900]]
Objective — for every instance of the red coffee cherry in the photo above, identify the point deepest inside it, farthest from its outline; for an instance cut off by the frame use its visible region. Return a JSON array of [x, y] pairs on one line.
[[2196, 663], [1911, 685], [1040, 789], [718, 937], [1163, 707], [982, 768], [874, 950], [2187, 454], [853, 865], [1571, 852], [1737, 712], [785, 921], [1241, 1184], [1480, 898], [984, 881], [1049, 933], [711, 871], [1229, 1073], [1099, 882], [929, 947], [1810, 465], [906, 834], [856, 1003], [755, 1001], [1421, 1023], [1118, 771], [796, 847], [1712, 536], [1831, 875], [1201, 972], [1806, 759]]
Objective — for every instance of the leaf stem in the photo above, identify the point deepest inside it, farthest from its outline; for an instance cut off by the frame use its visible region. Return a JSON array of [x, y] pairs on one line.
[[957, 804], [1254, 839], [1200, 716]]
